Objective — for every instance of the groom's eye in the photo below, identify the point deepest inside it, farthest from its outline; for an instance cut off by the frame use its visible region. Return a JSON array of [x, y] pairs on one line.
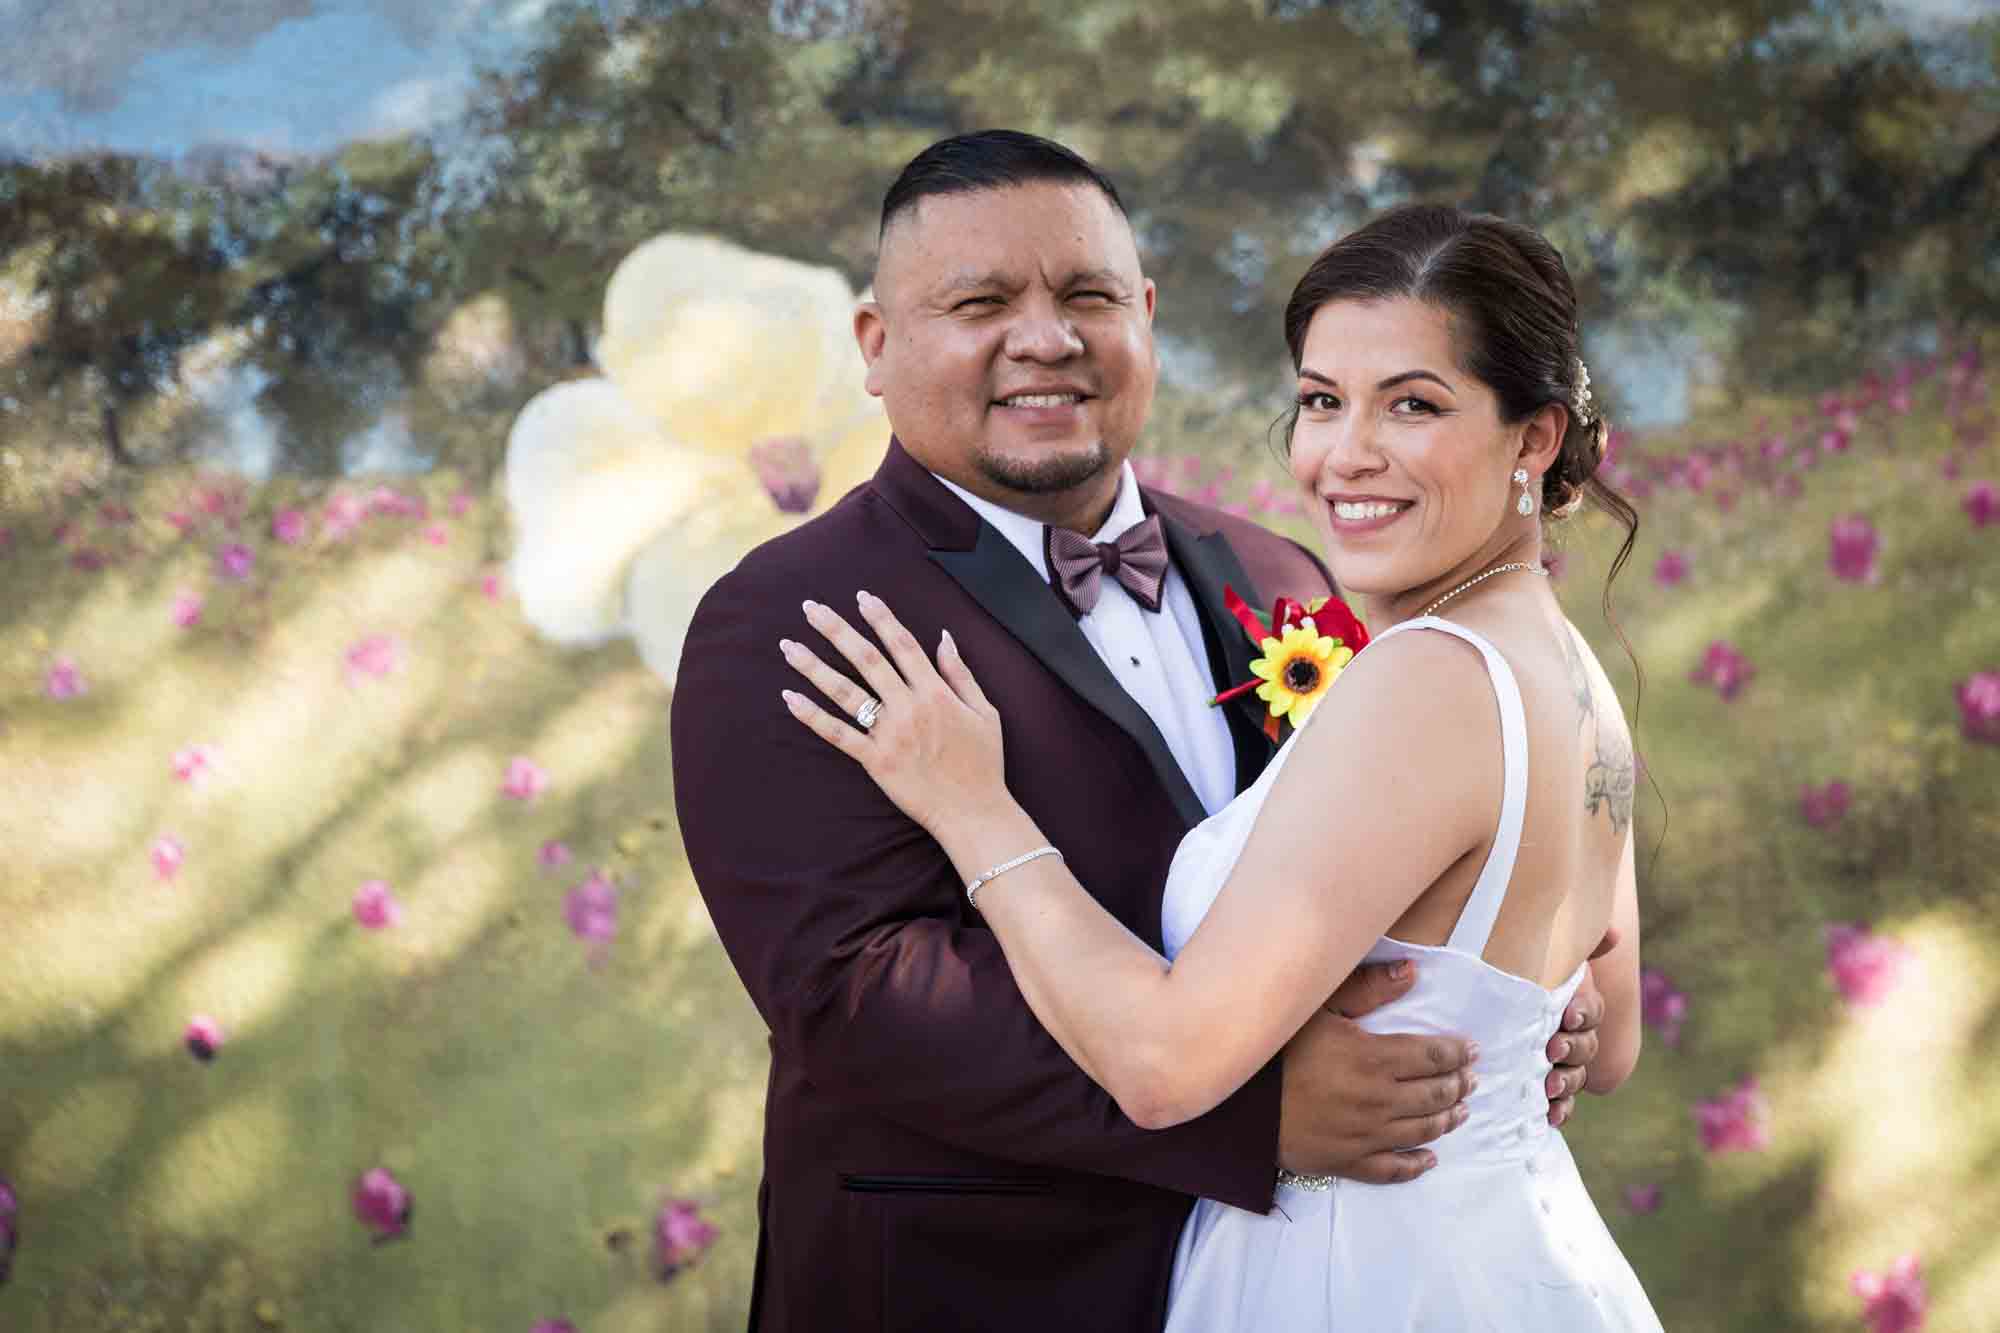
[[977, 300]]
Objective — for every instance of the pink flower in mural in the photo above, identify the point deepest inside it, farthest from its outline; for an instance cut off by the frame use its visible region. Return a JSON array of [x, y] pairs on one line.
[[552, 854], [1895, 1301], [1864, 966], [89, 560], [1263, 496], [375, 907], [1982, 503], [437, 534], [64, 680], [1824, 806], [1661, 1005], [591, 909], [113, 512], [1671, 569], [289, 526], [235, 561], [203, 1037], [490, 585], [1855, 548], [1979, 707], [375, 655], [1950, 467], [1642, 1198], [187, 609], [342, 515], [681, 1235], [179, 520], [10, 1233], [525, 779], [193, 764], [787, 471], [1724, 668], [168, 854], [459, 504], [382, 1204], [387, 501], [1735, 1121]]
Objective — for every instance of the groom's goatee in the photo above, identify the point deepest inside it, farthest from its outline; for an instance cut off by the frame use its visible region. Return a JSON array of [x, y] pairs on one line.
[[1046, 476]]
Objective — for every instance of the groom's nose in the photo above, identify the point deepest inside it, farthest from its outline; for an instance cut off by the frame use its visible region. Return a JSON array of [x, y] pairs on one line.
[[1042, 331]]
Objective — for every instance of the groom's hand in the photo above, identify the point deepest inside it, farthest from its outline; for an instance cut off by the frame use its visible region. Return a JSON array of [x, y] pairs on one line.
[[1574, 1045], [1355, 1103]]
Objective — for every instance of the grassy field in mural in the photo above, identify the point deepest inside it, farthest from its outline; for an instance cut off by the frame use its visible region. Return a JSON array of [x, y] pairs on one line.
[[285, 781]]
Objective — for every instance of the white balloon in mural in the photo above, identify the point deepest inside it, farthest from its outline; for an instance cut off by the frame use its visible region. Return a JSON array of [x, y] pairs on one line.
[[732, 405]]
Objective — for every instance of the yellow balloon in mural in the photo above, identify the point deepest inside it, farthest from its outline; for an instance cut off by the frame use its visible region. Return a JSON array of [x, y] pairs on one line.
[[732, 406]]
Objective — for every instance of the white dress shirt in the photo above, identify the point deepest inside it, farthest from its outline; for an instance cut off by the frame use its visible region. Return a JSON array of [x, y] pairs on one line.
[[1158, 656]]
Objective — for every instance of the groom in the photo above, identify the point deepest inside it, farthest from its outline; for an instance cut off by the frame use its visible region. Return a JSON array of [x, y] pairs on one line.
[[933, 1160]]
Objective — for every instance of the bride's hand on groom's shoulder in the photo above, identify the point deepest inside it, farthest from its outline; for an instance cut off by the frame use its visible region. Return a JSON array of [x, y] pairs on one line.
[[934, 743], [1360, 1105]]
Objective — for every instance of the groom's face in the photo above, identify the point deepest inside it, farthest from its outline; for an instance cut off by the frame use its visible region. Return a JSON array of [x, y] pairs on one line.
[[1011, 340]]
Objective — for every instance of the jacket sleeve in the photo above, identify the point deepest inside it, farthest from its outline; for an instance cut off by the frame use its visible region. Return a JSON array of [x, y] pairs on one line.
[[844, 920]]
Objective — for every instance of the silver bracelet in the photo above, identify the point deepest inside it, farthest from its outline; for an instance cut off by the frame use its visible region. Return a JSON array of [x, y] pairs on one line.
[[1005, 866]]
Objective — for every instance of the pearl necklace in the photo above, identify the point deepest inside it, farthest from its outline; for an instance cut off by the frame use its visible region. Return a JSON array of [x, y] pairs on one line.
[[1480, 578]]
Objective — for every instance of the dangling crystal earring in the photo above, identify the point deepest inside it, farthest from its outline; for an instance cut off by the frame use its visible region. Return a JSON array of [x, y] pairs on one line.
[[1526, 504]]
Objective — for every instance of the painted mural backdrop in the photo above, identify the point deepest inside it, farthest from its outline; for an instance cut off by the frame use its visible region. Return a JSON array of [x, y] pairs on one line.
[[381, 384]]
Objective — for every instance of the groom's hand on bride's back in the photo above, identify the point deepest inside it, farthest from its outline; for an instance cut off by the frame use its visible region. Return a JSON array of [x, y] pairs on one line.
[[1362, 1106]]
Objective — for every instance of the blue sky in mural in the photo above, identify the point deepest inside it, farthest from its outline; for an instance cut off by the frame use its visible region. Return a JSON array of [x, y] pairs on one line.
[[299, 83]]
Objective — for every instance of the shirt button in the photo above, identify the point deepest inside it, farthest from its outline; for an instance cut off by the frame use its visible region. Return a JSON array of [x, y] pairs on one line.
[[1545, 1205]]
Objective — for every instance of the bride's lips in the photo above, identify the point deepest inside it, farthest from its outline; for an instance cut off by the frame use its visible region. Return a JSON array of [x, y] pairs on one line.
[[1364, 513]]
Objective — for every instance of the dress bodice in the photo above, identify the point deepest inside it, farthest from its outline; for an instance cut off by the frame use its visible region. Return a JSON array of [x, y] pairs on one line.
[[1457, 992]]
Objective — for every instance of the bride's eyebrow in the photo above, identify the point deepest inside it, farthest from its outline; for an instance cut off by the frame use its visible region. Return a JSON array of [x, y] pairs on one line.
[[1308, 373]]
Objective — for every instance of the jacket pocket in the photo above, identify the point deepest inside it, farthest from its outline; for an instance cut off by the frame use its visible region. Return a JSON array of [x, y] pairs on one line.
[[861, 1183]]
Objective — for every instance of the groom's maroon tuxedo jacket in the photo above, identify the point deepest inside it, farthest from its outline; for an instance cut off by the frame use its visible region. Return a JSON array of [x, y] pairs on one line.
[[932, 1159]]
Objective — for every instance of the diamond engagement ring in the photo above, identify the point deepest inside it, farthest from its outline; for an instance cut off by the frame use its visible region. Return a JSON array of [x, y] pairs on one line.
[[865, 717]]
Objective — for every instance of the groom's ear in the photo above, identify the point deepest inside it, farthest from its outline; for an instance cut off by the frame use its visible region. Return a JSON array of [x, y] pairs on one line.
[[871, 335]]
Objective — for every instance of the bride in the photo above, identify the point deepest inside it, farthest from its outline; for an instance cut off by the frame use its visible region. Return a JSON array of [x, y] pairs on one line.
[[1462, 794]]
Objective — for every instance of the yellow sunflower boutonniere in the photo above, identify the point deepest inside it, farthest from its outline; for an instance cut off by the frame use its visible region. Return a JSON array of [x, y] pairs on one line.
[[1306, 648]]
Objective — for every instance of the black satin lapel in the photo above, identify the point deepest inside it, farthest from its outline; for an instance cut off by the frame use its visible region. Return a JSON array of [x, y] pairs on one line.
[[1005, 584], [1208, 563]]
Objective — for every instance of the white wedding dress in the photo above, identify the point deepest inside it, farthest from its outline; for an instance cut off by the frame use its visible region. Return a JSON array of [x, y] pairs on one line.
[[1499, 1237]]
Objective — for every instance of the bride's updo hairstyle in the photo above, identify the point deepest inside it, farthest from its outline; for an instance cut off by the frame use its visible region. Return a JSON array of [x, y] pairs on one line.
[[1513, 322]]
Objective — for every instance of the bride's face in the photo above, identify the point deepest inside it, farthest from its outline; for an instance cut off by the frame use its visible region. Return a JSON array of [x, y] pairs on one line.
[[1402, 455]]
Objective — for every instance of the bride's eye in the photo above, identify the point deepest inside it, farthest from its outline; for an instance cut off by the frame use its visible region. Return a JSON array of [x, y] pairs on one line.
[[1318, 401]]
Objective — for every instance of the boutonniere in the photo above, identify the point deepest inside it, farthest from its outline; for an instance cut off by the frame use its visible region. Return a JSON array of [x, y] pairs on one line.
[[1305, 648]]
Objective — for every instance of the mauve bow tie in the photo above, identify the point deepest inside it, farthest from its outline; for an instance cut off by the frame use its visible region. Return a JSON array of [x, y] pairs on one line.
[[1077, 565]]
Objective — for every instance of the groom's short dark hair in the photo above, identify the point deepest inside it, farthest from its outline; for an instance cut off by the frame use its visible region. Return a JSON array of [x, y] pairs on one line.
[[989, 160]]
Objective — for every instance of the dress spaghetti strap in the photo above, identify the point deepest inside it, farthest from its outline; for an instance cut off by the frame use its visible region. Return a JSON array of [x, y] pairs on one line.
[[1482, 909]]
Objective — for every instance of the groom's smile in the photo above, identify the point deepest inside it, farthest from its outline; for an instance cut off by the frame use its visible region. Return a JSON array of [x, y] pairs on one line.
[[1010, 339]]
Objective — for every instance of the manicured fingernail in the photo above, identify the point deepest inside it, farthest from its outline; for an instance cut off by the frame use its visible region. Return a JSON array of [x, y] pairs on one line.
[[865, 597], [1400, 970], [1555, 1085], [791, 700], [787, 647], [1472, 1050], [810, 605], [1471, 1084]]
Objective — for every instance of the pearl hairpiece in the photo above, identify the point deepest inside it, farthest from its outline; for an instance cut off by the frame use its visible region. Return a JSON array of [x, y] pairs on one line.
[[1579, 399]]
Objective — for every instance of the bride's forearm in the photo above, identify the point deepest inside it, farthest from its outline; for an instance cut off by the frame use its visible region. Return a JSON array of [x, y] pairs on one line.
[[1100, 990]]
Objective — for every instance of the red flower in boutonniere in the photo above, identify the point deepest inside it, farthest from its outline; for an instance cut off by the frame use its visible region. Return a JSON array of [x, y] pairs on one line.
[[1304, 649]]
